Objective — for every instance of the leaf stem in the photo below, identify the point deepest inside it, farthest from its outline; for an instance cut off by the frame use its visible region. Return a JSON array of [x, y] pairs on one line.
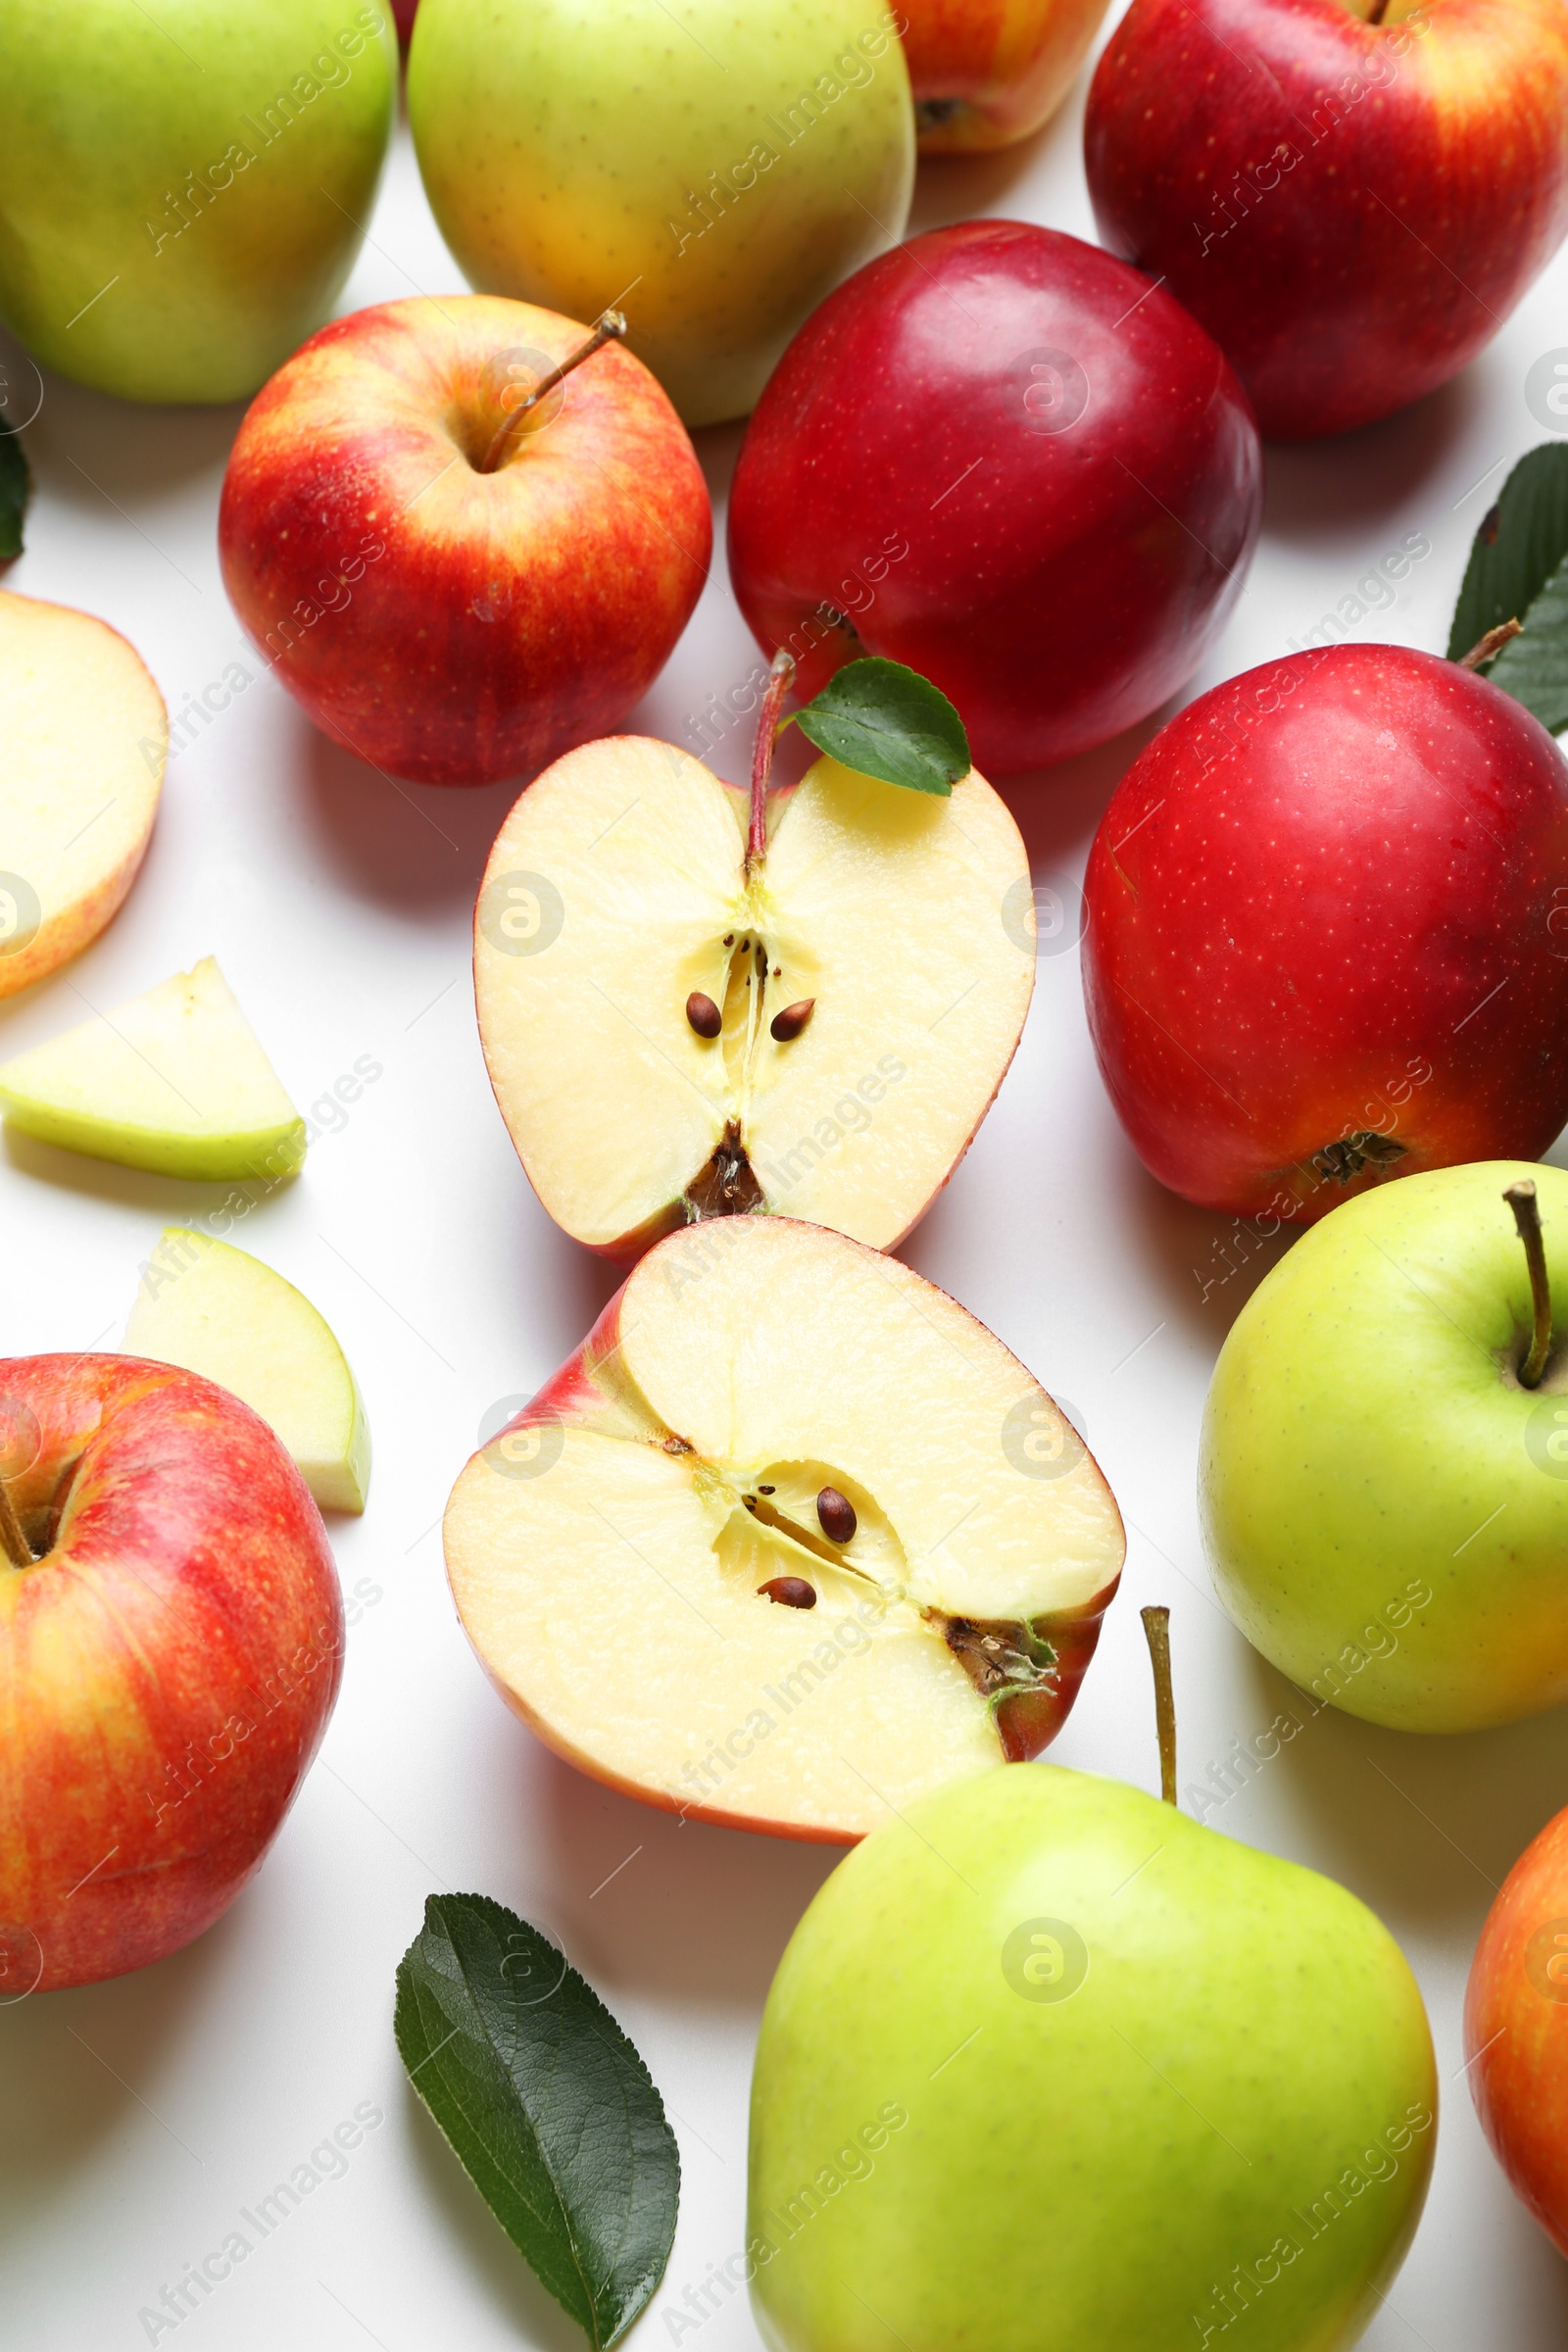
[[1492, 643], [1521, 1199], [1156, 1628], [609, 328], [778, 686], [15, 1544]]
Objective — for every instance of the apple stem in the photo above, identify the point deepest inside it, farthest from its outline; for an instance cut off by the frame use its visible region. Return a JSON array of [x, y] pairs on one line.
[[1521, 1199], [778, 686], [1156, 1628], [1492, 643], [15, 1544], [607, 329]]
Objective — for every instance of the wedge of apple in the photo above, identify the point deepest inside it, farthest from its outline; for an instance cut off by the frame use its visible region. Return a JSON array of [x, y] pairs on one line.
[[215, 1309], [673, 1028], [176, 1081], [789, 1542], [87, 735]]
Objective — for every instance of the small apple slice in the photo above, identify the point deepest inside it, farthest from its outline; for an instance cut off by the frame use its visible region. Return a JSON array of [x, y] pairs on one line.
[[212, 1308], [176, 1081], [790, 1541], [87, 735], [618, 899]]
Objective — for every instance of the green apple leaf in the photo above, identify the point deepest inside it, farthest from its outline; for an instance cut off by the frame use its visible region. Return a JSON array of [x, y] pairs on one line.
[[546, 2105], [885, 721], [1518, 570], [16, 488]]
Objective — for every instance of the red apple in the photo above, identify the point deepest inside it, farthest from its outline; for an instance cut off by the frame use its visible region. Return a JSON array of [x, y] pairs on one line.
[[1352, 199], [1006, 459], [446, 622], [984, 72], [1516, 2029], [1327, 932], [404, 13], [168, 1661]]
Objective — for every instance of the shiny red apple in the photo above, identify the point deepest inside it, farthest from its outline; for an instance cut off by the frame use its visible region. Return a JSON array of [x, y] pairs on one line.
[[984, 72], [1327, 933], [1351, 197], [1004, 458], [1516, 2029], [169, 1659], [449, 610]]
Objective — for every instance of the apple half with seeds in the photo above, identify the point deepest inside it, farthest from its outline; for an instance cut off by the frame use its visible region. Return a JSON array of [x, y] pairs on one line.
[[689, 1008], [789, 1542]]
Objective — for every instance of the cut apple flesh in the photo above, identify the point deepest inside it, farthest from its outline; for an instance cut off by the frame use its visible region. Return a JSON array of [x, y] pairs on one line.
[[611, 1553], [176, 1081], [616, 898], [217, 1311], [86, 739]]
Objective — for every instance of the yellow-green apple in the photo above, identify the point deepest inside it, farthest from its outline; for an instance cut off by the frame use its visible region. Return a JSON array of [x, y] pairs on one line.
[[1044, 2068], [1323, 932], [170, 1645], [978, 450], [215, 1309], [1351, 195], [87, 738], [176, 1081], [456, 571], [790, 1539], [984, 72], [184, 194], [634, 969], [1516, 2029], [716, 171], [1383, 1480]]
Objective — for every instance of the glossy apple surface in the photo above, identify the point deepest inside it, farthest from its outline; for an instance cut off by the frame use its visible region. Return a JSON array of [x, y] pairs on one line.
[[444, 622], [168, 1663], [1042, 2070], [1007, 460], [1352, 208], [986, 72], [1516, 2029], [1327, 933], [182, 190], [1383, 1506]]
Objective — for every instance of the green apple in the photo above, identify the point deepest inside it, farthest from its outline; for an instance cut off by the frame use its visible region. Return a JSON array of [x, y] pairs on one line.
[[217, 1311], [713, 171], [176, 1081], [183, 189], [1048, 2068], [1384, 1503]]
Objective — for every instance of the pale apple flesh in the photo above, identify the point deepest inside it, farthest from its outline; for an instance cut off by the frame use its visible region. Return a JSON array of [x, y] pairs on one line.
[[609, 1552], [986, 72], [86, 737], [217, 1311], [176, 1081], [618, 888]]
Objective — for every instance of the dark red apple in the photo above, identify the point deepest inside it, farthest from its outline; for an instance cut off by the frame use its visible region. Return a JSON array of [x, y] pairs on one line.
[[168, 1658], [1327, 933], [1351, 197], [1001, 456]]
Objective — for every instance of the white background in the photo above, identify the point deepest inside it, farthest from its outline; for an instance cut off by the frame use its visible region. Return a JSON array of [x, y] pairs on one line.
[[137, 2117]]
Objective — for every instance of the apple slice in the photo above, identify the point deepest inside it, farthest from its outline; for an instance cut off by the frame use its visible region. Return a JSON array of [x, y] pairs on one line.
[[212, 1308], [174, 1081], [789, 1542], [618, 903], [87, 735]]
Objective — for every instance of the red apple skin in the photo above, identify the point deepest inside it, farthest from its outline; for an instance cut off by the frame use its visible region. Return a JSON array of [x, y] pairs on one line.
[[1351, 209], [1516, 2029], [445, 624], [167, 1670], [984, 72], [1330, 899], [905, 467]]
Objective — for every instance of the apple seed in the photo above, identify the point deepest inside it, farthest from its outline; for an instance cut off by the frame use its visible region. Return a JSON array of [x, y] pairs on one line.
[[793, 1592], [836, 1514], [791, 1020], [704, 1015]]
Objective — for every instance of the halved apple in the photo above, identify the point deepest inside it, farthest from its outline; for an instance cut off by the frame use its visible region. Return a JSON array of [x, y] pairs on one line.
[[176, 1081], [670, 1032], [790, 1541], [86, 739], [215, 1309]]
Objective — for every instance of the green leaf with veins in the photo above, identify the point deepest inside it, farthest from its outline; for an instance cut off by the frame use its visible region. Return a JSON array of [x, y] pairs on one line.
[[887, 721], [546, 2104], [16, 488], [1518, 570]]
